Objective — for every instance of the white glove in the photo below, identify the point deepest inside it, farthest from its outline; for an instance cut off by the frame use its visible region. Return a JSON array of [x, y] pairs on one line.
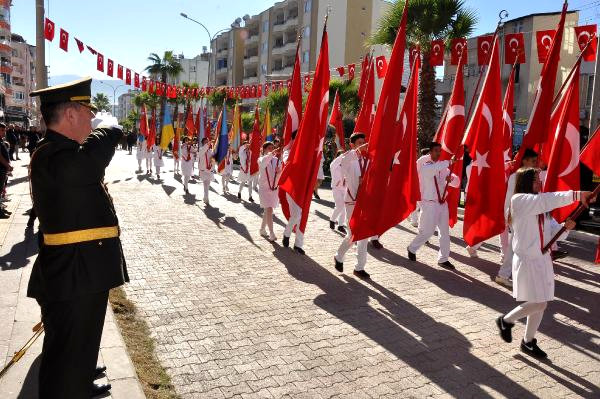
[[105, 120]]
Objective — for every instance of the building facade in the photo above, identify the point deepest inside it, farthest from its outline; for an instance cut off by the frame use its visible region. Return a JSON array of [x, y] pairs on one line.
[[5, 56], [195, 70], [125, 104], [20, 107]]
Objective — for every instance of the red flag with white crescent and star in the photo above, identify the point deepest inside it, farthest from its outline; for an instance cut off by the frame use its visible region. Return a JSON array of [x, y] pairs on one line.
[[49, 30], [110, 65], [507, 118], [136, 80], [351, 70], [436, 56], [367, 218], [64, 40], [381, 65], [100, 62], [364, 69], [544, 39], [563, 165], [128, 76], [143, 121], [584, 34], [341, 70], [367, 105], [413, 51], [299, 173], [484, 208], [457, 47], [80, 45], [514, 48], [120, 73], [294, 106], [484, 46]]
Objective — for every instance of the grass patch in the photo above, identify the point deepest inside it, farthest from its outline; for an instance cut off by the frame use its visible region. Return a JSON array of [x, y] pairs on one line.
[[155, 382]]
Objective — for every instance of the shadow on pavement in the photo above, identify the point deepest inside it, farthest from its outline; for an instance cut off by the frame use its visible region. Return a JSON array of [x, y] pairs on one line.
[[20, 252], [29, 389]]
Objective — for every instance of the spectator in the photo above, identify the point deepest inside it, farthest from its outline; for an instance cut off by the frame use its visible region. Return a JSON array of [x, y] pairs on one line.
[[32, 140], [11, 136], [5, 168], [131, 139]]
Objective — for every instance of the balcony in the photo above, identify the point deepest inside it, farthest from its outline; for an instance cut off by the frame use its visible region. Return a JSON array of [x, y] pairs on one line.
[[5, 48], [223, 51], [251, 60], [4, 26], [290, 47], [221, 71], [291, 22], [253, 38]]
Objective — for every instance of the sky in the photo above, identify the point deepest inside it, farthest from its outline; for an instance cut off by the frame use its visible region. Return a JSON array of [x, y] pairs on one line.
[[127, 31]]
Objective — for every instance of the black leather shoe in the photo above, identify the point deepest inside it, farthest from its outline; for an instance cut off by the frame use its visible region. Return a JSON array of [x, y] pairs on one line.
[[411, 256], [339, 266], [251, 199], [558, 254], [316, 195], [447, 265], [98, 390], [4, 216], [342, 229], [299, 250], [99, 371], [362, 274], [377, 244], [531, 349], [239, 195], [285, 241], [331, 225], [505, 329]]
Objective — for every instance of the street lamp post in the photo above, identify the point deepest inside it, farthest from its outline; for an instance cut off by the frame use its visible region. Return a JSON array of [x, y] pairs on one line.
[[114, 94]]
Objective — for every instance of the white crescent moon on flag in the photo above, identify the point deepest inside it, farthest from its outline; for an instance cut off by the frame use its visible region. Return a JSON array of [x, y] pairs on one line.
[[549, 41], [459, 46], [404, 123], [380, 64], [487, 44], [49, 27], [572, 136], [293, 114], [510, 42], [436, 48], [506, 118], [324, 104], [63, 36], [487, 114], [453, 112], [585, 35]]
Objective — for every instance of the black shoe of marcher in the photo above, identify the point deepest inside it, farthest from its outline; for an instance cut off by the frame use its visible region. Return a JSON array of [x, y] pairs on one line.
[[299, 250], [362, 274], [99, 371], [411, 256], [339, 266], [286, 241], [240, 196], [4, 216], [505, 329], [251, 199], [316, 195], [98, 390], [447, 265], [531, 349], [558, 254], [342, 229], [376, 244], [331, 225]]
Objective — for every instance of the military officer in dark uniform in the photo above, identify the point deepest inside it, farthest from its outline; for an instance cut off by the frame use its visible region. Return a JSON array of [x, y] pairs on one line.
[[80, 256]]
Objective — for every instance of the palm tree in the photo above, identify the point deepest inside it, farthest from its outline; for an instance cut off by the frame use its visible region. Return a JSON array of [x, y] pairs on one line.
[[427, 20], [101, 101], [164, 67]]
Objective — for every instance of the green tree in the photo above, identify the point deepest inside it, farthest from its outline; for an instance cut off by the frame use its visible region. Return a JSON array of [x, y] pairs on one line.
[[349, 100], [101, 101], [247, 121], [163, 68], [277, 102], [427, 20]]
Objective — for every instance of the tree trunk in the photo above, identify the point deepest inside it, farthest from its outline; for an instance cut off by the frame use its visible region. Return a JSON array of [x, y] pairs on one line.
[[427, 104]]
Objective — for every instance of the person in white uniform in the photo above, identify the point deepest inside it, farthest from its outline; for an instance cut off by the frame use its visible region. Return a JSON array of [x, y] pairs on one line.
[[433, 177], [141, 151], [293, 224], [269, 173], [149, 158], [338, 189], [159, 162], [353, 165], [187, 162], [424, 158], [227, 170], [244, 177], [533, 273], [205, 167], [176, 155]]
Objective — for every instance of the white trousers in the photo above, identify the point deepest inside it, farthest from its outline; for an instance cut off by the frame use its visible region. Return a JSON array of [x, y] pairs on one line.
[[252, 183], [206, 184], [158, 170], [339, 212], [414, 216], [534, 312], [433, 215], [361, 246], [186, 180], [176, 164], [295, 218], [148, 164], [225, 182]]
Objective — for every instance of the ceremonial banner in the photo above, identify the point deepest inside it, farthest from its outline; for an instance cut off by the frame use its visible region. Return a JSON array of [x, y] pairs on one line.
[[120, 72], [436, 56], [222, 145], [544, 39], [100, 62], [484, 47], [457, 46], [49, 30], [167, 132], [79, 45], [381, 65], [294, 108], [335, 120], [584, 34], [514, 48], [110, 67], [367, 104]]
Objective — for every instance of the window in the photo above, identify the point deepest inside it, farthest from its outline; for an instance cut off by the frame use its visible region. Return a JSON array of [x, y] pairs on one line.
[[263, 69], [305, 57], [307, 5], [19, 95], [231, 42], [193, 68], [266, 26]]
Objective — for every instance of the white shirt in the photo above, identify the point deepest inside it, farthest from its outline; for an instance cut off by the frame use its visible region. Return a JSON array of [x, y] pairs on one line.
[[205, 158], [432, 172], [187, 150], [353, 166], [269, 171], [423, 159], [337, 178], [158, 152], [245, 156]]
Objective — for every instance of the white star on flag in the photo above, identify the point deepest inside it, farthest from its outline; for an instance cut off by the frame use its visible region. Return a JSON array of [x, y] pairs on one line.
[[480, 162]]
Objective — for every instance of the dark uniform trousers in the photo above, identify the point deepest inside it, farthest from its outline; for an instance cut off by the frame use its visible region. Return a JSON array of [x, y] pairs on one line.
[[71, 278]]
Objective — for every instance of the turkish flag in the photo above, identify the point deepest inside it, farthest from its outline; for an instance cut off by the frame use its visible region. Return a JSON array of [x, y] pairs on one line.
[[253, 91], [563, 166], [255, 143], [364, 69], [589, 154], [136, 80], [100, 62], [539, 119], [544, 39], [584, 34], [597, 260], [259, 91], [267, 88], [294, 106], [64, 40], [128, 76], [144, 84], [457, 46], [436, 56], [336, 121], [110, 67], [341, 70], [507, 118], [484, 207], [514, 48], [80, 45], [151, 87], [190, 127], [91, 50], [351, 69], [152, 131], [381, 66], [484, 47], [49, 30], [413, 52], [120, 72], [143, 121], [367, 218], [307, 83], [450, 134], [300, 171], [367, 104]]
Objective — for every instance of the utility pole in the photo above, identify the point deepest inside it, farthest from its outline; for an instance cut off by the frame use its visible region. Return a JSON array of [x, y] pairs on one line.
[[41, 75]]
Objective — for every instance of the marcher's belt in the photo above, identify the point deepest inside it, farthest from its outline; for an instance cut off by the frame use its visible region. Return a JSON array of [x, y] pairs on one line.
[[73, 237]]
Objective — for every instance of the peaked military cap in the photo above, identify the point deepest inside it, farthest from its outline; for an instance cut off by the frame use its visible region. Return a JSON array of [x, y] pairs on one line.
[[79, 91]]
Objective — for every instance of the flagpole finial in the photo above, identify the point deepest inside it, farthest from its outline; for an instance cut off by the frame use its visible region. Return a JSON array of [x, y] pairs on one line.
[[502, 15]]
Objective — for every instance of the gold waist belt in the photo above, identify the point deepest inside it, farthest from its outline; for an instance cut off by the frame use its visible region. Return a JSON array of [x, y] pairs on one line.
[[73, 237]]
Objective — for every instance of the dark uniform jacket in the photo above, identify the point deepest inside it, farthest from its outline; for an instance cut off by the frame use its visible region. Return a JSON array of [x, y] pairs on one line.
[[69, 195]]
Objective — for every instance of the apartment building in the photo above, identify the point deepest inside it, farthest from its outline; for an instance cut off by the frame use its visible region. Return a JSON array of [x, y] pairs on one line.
[[20, 108], [527, 75], [264, 48], [125, 104], [5, 55], [195, 70]]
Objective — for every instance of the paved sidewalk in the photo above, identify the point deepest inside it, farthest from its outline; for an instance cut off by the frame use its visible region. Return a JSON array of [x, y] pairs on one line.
[[18, 314], [236, 316]]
